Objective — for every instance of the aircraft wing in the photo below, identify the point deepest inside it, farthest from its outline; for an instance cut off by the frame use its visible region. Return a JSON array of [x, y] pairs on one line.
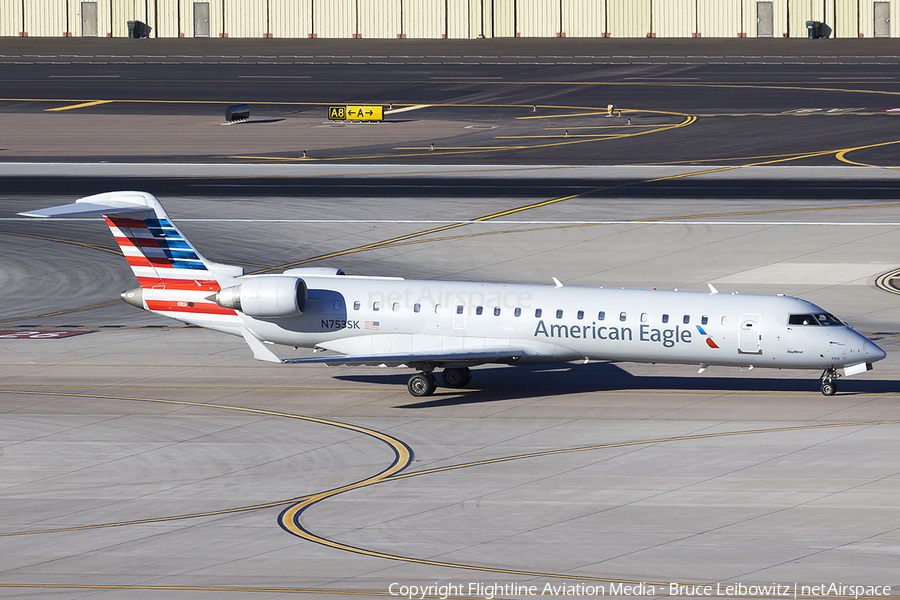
[[440, 358]]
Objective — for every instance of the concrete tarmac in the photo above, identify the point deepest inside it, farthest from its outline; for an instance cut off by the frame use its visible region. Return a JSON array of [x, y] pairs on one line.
[[141, 458], [703, 101]]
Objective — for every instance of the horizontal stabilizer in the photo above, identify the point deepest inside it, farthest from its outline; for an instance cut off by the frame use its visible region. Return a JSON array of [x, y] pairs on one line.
[[468, 357], [99, 204]]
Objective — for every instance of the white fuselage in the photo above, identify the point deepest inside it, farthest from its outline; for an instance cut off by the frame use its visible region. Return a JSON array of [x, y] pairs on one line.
[[455, 325], [371, 315]]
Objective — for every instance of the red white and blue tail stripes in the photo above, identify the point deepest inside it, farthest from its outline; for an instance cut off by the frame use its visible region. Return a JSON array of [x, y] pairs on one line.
[[175, 278], [159, 253]]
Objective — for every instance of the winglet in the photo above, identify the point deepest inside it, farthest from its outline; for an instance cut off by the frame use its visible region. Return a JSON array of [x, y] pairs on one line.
[[260, 352], [712, 289], [557, 282]]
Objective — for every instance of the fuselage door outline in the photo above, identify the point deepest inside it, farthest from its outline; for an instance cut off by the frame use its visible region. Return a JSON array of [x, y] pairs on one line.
[[750, 335]]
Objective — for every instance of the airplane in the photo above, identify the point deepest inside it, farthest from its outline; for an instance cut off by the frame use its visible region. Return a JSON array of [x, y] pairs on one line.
[[455, 325]]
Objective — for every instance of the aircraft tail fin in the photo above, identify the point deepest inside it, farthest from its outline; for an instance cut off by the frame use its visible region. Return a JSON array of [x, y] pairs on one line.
[[158, 253]]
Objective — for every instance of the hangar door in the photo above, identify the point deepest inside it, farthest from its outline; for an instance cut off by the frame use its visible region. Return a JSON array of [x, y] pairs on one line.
[[89, 19], [201, 19], [882, 19], [765, 19]]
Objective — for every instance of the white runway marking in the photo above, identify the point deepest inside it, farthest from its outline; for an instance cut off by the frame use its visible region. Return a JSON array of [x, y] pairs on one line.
[[400, 110]]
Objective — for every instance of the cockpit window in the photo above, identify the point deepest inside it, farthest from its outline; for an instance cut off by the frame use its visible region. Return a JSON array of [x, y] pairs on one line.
[[827, 319], [802, 320]]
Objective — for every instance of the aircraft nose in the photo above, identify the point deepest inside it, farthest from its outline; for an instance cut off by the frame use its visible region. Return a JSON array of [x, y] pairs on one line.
[[872, 352]]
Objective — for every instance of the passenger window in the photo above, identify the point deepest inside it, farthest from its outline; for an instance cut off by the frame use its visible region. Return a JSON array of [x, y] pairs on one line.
[[538, 312], [704, 320], [337, 305], [724, 320], [518, 312], [417, 307], [396, 307], [496, 311], [376, 306], [601, 315], [356, 305], [687, 319], [643, 317], [479, 310], [665, 319], [459, 309], [437, 309], [580, 315], [622, 316], [559, 314]]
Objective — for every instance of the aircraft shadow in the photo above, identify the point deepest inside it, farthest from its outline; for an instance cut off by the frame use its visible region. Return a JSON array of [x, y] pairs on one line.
[[536, 381]]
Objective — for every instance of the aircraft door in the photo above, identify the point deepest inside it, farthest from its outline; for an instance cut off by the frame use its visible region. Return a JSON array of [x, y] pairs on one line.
[[750, 336], [459, 314]]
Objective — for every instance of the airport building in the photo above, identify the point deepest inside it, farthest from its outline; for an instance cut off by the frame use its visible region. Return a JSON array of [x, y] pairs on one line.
[[454, 19]]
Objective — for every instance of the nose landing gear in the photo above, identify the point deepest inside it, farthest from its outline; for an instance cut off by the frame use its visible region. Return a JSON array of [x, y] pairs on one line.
[[828, 383]]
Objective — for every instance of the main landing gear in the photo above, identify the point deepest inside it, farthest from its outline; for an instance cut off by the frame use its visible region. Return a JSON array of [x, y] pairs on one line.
[[828, 383], [456, 378], [424, 384], [421, 384]]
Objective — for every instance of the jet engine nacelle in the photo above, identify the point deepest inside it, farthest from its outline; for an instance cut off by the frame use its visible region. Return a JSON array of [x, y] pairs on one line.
[[267, 297]]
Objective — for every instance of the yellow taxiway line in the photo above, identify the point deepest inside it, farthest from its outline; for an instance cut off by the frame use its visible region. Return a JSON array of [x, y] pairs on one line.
[[82, 105]]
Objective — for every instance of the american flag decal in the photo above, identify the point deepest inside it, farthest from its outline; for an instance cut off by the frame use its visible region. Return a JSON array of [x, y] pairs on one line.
[[371, 324]]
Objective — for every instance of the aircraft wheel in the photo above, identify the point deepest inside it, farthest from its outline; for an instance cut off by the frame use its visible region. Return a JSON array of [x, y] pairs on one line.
[[421, 384], [829, 388], [456, 378]]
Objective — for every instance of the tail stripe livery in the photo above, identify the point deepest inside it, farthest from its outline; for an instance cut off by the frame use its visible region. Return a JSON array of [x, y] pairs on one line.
[[150, 252], [162, 259], [176, 279], [194, 308]]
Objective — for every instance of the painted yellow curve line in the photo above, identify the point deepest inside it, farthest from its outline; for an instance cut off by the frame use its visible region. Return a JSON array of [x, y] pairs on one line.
[[681, 438], [843, 153], [402, 456], [884, 281], [81, 105], [290, 518]]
